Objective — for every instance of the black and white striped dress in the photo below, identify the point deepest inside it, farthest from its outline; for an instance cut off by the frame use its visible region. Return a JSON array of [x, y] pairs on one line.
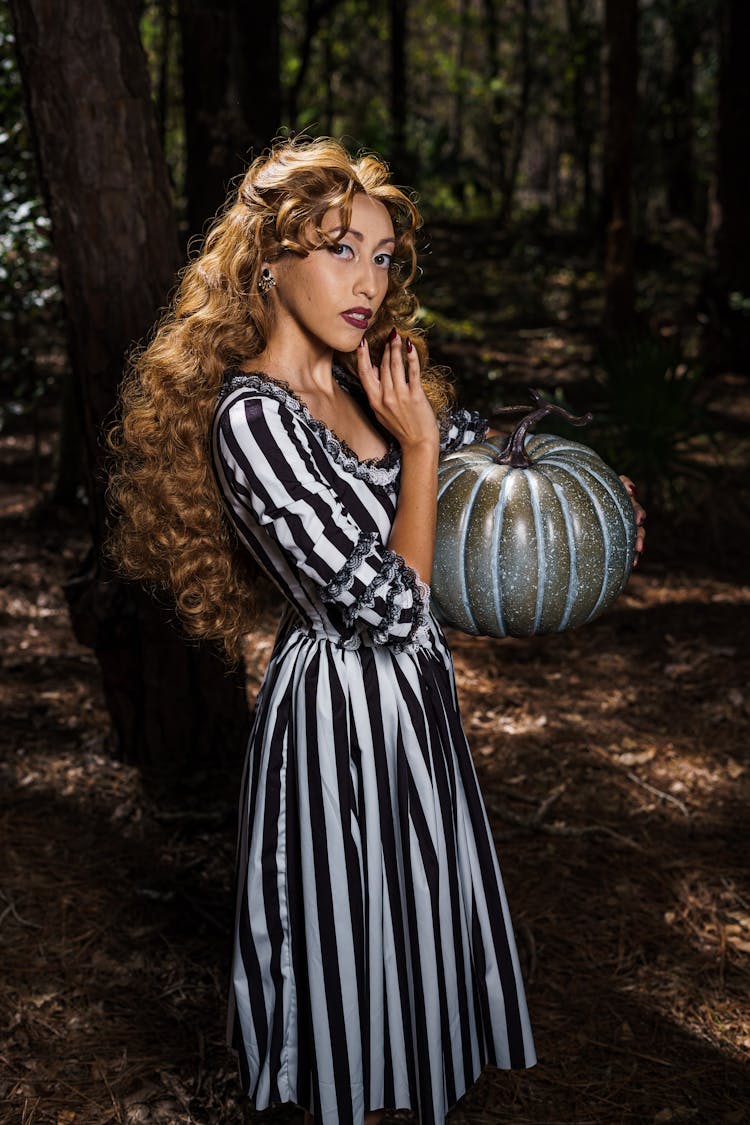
[[374, 963]]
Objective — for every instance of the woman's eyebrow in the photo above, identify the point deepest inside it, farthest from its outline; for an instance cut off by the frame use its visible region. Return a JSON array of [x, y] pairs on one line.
[[358, 234]]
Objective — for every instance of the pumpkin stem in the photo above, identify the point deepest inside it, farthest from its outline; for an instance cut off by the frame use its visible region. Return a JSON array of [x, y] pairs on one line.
[[514, 453]]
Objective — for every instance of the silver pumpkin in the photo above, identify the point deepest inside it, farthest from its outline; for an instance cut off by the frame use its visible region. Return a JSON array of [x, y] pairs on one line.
[[535, 534]]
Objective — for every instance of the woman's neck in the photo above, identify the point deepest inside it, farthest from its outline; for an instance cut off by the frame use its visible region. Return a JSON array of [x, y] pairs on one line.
[[308, 375]]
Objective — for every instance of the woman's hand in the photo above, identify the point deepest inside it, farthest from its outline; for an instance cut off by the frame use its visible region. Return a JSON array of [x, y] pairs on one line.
[[640, 519], [399, 404]]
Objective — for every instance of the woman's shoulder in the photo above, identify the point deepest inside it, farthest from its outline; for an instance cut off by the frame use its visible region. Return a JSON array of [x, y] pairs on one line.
[[238, 385], [252, 399]]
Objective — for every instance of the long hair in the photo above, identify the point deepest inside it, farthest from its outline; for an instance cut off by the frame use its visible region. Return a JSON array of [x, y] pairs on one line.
[[170, 530]]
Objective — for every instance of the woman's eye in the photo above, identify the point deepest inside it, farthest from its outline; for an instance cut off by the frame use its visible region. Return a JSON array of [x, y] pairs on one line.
[[339, 248], [384, 260]]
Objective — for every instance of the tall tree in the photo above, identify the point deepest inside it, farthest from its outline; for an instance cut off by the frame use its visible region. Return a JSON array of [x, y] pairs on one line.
[[316, 11], [510, 97], [231, 94], [620, 79], [584, 43], [495, 145], [730, 230], [105, 184], [518, 129], [685, 23]]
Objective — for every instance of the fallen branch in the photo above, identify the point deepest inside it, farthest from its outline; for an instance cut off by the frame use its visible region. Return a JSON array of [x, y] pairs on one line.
[[659, 793]]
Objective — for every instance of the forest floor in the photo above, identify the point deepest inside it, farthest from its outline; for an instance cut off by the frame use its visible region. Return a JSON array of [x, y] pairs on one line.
[[615, 765]]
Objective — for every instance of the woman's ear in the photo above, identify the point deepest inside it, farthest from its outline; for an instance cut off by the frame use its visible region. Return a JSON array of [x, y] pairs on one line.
[[267, 279]]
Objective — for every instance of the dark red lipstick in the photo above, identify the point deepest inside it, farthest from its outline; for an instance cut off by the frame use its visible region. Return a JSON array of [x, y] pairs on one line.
[[359, 317]]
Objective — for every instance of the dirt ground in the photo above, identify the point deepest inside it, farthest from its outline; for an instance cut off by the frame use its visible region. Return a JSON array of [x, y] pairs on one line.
[[615, 764]]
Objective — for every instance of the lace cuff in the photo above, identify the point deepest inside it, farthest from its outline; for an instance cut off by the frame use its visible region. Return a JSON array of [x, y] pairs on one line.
[[461, 427], [345, 577], [401, 576], [378, 588]]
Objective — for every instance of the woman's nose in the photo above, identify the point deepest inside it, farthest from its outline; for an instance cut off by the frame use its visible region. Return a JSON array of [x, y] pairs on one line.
[[367, 280]]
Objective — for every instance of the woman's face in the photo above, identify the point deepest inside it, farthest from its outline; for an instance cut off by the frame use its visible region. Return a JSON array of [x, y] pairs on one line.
[[334, 293]]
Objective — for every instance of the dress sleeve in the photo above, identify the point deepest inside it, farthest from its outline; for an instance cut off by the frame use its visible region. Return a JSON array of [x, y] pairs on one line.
[[461, 427], [269, 478]]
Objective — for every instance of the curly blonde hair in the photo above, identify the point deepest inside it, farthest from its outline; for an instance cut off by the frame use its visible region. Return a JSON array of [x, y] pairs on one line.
[[170, 530]]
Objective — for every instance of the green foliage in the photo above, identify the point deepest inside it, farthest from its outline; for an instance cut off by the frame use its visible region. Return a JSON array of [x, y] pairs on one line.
[[653, 415], [449, 327], [30, 297]]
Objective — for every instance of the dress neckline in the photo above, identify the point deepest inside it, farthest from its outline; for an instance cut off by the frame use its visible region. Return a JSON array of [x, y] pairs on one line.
[[378, 470]]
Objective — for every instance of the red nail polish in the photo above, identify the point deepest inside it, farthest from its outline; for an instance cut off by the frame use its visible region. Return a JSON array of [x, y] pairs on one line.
[[408, 344], [393, 335]]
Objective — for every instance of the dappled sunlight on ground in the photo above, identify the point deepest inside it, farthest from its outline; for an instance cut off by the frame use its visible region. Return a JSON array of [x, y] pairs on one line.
[[615, 767]]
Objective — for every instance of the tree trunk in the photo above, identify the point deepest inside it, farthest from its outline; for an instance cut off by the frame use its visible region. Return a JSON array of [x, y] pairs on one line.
[[519, 120], [621, 69], [114, 232], [231, 94], [730, 231], [317, 11], [69, 470], [496, 160], [584, 50], [681, 101]]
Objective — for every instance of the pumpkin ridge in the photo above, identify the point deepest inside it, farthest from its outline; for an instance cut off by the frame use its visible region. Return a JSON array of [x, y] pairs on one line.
[[573, 580], [541, 559], [497, 532]]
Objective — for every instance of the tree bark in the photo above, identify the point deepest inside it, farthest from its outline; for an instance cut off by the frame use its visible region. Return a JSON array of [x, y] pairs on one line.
[[105, 181], [231, 94], [621, 71]]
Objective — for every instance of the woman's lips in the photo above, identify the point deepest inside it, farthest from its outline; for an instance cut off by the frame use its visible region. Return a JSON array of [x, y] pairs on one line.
[[358, 320]]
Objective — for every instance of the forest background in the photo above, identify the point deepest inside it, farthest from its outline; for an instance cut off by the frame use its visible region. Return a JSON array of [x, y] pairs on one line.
[[582, 168]]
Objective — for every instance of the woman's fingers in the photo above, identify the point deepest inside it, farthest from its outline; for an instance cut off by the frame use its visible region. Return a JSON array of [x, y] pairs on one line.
[[397, 359], [640, 518], [396, 393], [415, 371], [369, 376], [386, 367]]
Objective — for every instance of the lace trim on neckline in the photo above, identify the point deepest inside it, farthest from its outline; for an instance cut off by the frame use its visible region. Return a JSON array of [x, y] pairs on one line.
[[377, 470]]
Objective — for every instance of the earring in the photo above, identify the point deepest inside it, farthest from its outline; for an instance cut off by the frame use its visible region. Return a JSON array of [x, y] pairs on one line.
[[266, 280]]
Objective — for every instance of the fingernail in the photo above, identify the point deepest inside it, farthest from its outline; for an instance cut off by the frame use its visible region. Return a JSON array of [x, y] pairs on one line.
[[362, 342], [393, 335], [408, 344]]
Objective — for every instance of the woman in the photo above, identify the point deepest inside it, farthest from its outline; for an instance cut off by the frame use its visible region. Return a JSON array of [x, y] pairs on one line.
[[284, 422]]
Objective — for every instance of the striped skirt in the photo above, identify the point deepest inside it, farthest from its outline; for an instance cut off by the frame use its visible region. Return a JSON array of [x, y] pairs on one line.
[[374, 964]]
